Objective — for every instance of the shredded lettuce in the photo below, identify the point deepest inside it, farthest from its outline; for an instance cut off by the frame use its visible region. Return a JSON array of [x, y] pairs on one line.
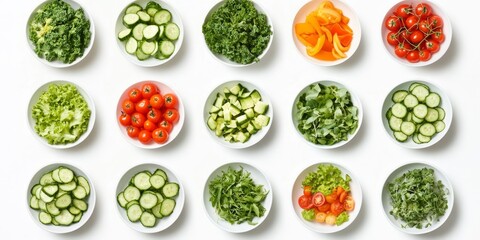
[[343, 217], [61, 114], [309, 214], [326, 179]]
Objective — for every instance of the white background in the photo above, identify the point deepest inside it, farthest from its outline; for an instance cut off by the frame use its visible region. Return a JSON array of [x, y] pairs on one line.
[[281, 155]]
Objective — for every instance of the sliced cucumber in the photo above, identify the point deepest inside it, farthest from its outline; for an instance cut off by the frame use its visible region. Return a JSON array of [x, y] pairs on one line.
[[131, 193], [166, 48], [131, 45], [130, 19], [148, 219], [121, 200], [172, 31], [167, 207], [433, 100], [144, 17], [150, 32], [137, 31], [133, 8], [162, 17], [148, 47], [170, 190], [399, 96], [124, 34], [148, 200], [45, 218]]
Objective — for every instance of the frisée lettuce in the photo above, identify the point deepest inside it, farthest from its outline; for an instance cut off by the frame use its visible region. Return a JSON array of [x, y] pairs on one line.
[[61, 114]]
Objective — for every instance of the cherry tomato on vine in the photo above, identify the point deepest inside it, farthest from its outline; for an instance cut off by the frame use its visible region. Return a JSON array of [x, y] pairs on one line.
[[424, 26], [124, 119], [392, 38], [167, 126], [145, 136], [423, 10], [417, 36], [171, 101], [159, 135], [411, 22], [438, 36], [133, 131], [138, 119], [402, 49], [435, 22], [404, 10], [424, 55], [135, 95], [148, 90], [156, 101], [413, 56], [393, 23], [432, 46]]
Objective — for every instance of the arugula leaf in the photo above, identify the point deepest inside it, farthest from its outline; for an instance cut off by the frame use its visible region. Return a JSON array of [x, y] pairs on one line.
[[326, 179], [61, 114], [236, 198], [326, 114], [417, 198]]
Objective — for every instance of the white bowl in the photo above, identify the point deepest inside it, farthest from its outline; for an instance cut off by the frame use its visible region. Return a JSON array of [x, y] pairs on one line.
[[162, 223], [354, 25], [259, 179], [297, 191], [355, 100], [150, 62], [447, 31], [90, 199], [397, 223], [33, 100], [255, 138], [59, 64], [445, 104], [227, 61], [177, 127]]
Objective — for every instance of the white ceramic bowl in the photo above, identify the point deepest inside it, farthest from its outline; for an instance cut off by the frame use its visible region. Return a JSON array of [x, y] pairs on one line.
[[386, 201], [259, 179], [177, 127], [90, 199], [33, 100], [297, 191], [162, 223], [445, 104], [354, 24], [255, 138], [355, 100], [227, 61], [447, 31], [150, 62], [60, 64]]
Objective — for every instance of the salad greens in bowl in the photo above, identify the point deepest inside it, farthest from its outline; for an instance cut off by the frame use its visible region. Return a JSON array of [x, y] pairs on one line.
[[60, 32], [61, 114], [326, 197], [326, 114]]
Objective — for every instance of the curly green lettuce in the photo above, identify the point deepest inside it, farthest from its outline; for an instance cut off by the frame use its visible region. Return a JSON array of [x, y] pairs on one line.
[[59, 32], [61, 114], [326, 179]]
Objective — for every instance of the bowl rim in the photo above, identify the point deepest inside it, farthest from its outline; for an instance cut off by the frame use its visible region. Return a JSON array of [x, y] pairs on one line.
[[410, 165], [58, 64], [259, 135], [355, 99], [91, 198], [226, 61], [41, 89], [355, 44], [358, 197], [445, 104], [179, 125], [180, 199], [444, 46], [151, 62], [268, 202]]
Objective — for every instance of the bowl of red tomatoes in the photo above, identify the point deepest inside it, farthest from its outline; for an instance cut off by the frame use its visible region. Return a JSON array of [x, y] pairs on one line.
[[150, 114], [416, 32]]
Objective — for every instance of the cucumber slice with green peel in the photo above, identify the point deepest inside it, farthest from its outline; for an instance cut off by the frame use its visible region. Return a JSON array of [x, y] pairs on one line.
[[65, 218], [148, 219], [433, 100], [157, 181], [131, 46], [84, 183], [421, 92], [64, 201], [162, 173], [80, 204], [408, 128], [131, 193], [148, 200], [34, 202], [432, 115], [441, 113], [423, 139], [137, 31], [78, 217], [134, 213], [166, 48], [439, 126], [142, 181], [172, 31], [162, 17], [124, 34], [144, 17], [141, 55], [420, 111], [130, 19], [73, 210], [395, 123], [399, 110], [167, 207], [133, 8], [399, 96], [400, 136], [170, 189], [156, 210], [427, 129], [121, 200], [150, 32], [44, 218], [79, 192], [410, 101], [47, 179], [148, 47]]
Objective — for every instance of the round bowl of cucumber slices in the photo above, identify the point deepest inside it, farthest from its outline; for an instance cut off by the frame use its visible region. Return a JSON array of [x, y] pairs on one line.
[[416, 114], [238, 114], [149, 197], [149, 32], [60, 198]]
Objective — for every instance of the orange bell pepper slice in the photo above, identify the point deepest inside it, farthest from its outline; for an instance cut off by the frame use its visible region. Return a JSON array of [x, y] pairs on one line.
[[313, 51]]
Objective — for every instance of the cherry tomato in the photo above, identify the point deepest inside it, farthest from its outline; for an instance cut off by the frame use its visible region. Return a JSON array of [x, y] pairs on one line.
[[171, 115], [435, 22], [423, 10], [324, 208], [135, 95], [133, 131], [156, 101], [149, 125], [154, 115], [432, 46], [343, 196], [164, 124], [424, 55], [142, 106], [392, 38], [349, 203], [332, 197], [404, 10], [148, 90], [402, 49], [393, 23], [438, 36], [145, 136], [138, 119], [416, 36], [307, 191], [171, 101], [124, 119], [128, 106], [404, 35], [424, 26], [413, 56], [159, 135], [320, 217], [411, 22], [305, 202], [318, 199], [336, 208]]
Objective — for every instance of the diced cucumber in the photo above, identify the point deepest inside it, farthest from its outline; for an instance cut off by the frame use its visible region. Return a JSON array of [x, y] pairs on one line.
[[260, 107]]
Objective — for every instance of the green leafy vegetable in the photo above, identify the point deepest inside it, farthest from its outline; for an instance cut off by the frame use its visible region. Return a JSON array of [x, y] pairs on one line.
[[237, 31], [236, 198], [59, 32], [308, 214], [61, 114], [417, 198], [326, 179], [343, 217], [326, 114]]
